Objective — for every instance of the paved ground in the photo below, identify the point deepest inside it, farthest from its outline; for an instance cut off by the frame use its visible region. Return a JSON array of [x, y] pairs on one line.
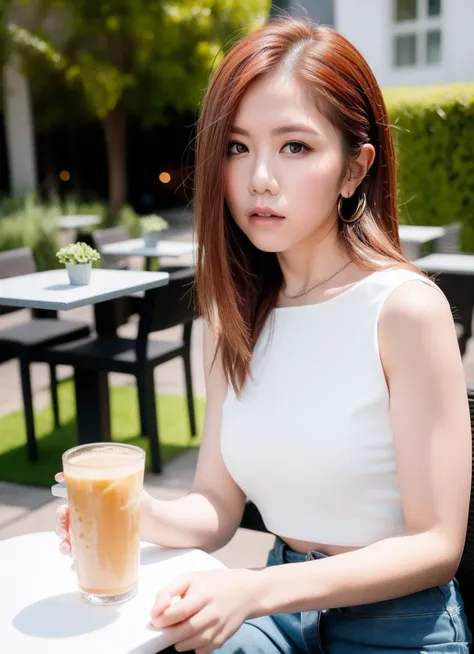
[[24, 509]]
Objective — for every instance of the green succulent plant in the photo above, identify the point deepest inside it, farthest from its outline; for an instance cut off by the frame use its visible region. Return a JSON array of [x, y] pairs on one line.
[[77, 253], [153, 223]]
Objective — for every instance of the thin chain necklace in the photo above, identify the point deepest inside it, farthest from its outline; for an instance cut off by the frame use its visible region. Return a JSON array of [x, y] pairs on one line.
[[311, 288]]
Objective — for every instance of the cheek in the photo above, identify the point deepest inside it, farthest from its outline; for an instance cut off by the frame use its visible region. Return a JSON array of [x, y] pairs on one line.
[[318, 182], [233, 188]]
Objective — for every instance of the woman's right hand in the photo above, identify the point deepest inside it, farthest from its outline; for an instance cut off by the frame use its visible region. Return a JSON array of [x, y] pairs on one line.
[[62, 523]]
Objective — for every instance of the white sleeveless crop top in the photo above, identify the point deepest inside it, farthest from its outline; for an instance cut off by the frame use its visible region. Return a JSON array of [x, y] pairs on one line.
[[310, 441]]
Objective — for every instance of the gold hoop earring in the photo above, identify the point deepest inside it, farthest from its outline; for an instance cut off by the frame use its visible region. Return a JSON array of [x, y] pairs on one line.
[[361, 206]]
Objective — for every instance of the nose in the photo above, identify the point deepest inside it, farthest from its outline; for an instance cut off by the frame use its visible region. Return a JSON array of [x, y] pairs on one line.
[[262, 180]]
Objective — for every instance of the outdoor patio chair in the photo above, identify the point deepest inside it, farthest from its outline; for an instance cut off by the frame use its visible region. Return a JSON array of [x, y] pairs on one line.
[[102, 237], [459, 290], [162, 308], [465, 573], [450, 242], [25, 341]]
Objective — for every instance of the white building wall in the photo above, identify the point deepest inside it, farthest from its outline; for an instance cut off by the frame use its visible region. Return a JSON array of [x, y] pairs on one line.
[[19, 132], [368, 25]]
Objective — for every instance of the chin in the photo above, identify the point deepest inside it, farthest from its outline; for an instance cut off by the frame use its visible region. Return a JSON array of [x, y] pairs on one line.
[[269, 245]]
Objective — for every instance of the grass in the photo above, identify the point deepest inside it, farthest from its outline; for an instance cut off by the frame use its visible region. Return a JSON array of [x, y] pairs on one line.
[[15, 467]]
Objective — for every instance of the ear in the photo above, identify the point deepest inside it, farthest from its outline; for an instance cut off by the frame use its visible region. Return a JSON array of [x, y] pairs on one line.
[[357, 170]]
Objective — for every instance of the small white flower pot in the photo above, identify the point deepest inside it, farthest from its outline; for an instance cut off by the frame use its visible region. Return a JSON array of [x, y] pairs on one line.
[[79, 273], [151, 239]]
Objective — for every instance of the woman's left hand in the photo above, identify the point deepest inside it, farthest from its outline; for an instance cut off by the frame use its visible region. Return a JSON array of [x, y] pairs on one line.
[[213, 605]]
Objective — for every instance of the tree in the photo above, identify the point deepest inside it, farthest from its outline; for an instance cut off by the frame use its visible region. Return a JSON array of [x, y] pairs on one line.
[[131, 56]]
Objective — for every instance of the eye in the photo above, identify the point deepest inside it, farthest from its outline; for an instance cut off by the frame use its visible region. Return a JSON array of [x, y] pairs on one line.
[[235, 147], [296, 147]]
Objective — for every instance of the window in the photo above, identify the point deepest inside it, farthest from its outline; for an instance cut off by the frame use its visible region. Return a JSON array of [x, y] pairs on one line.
[[405, 50], [434, 7], [405, 10], [433, 47], [417, 33]]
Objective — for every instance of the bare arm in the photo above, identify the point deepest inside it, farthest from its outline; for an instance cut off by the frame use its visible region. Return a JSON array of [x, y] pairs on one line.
[[430, 418], [210, 514]]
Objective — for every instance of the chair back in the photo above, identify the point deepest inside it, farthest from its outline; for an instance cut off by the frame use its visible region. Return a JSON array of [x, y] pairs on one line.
[[459, 290], [169, 305], [102, 237], [465, 573], [16, 262], [450, 242]]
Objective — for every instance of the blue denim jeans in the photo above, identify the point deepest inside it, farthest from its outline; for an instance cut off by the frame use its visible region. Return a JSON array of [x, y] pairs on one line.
[[432, 620]]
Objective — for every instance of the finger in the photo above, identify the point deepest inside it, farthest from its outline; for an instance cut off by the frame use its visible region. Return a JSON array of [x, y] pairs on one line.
[[62, 513], [62, 533], [202, 642], [59, 476], [164, 598], [178, 612], [181, 632]]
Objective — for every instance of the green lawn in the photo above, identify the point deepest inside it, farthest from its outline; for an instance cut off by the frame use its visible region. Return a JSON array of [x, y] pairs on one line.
[[15, 467]]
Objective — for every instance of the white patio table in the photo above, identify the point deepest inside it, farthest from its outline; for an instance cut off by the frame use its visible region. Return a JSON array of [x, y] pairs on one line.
[[43, 612], [51, 290], [136, 247]]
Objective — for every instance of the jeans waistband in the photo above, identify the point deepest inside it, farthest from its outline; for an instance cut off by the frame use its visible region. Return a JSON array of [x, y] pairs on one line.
[[282, 553]]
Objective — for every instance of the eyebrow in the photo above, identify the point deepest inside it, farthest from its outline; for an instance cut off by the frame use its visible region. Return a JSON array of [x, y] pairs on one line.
[[278, 131]]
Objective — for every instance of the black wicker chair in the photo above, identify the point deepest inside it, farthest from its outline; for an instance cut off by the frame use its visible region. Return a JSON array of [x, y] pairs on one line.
[[100, 237], [162, 308], [465, 573], [459, 290], [26, 340]]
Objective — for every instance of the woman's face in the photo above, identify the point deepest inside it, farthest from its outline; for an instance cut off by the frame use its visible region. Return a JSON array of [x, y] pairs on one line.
[[284, 158]]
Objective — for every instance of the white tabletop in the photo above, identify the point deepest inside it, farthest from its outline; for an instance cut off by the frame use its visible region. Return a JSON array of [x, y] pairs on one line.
[[420, 233], [77, 221], [462, 264], [136, 247], [43, 612], [51, 289]]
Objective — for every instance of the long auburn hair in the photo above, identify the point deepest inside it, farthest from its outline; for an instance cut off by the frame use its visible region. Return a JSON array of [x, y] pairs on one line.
[[237, 284]]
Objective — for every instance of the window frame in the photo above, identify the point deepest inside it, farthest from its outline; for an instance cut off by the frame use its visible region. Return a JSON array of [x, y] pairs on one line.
[[419, 26]]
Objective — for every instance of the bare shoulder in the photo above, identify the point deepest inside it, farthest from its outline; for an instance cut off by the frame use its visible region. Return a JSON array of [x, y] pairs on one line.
[[415, 303], [416, 322]]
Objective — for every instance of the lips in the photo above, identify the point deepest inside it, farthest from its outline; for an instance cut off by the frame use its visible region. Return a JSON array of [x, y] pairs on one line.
[[263, 212]]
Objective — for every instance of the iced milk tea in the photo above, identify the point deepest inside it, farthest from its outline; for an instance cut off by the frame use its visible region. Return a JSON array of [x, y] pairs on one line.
[[104, 484]]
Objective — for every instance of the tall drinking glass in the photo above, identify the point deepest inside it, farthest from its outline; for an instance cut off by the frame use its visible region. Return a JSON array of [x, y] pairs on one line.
[[104, 484]]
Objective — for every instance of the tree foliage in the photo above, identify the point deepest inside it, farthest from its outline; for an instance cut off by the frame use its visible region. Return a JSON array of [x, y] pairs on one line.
[[147, 55]]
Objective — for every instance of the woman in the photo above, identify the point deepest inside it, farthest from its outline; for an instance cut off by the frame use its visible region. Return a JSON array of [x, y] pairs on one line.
[[336, 398]]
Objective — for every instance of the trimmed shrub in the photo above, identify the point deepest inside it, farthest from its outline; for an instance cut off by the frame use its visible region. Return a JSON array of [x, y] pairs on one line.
[[433, 129], [26, 223], [29, 222]]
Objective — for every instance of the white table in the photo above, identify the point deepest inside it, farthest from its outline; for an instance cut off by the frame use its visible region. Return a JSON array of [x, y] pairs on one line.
[[136, 247], [51, 289], [78, 221], [412, 237], [42, 611], [458, 264], [420, 234]]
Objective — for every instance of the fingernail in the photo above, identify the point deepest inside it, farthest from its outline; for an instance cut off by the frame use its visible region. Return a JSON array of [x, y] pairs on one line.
[[62, 533]]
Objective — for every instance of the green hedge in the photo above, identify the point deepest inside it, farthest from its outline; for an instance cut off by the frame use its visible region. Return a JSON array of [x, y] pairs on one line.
[[434, 134]]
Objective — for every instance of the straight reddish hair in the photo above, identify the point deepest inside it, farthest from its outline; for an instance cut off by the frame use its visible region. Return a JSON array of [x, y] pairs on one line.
[[237, 284]]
